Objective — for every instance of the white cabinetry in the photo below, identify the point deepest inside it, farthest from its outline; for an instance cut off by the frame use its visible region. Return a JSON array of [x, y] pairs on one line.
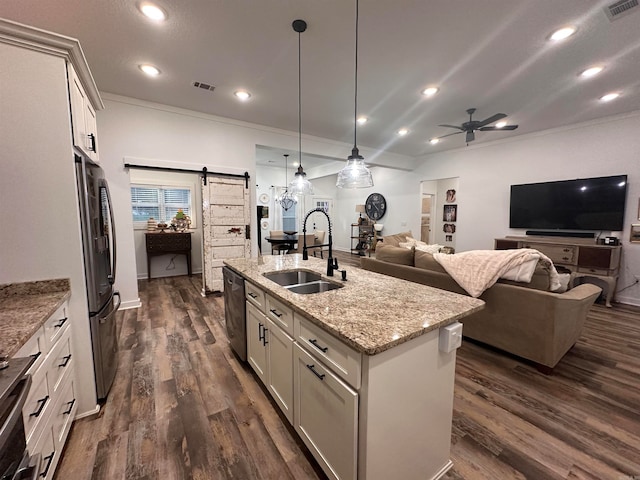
[[270, 348], [83, 117], [51, 404]]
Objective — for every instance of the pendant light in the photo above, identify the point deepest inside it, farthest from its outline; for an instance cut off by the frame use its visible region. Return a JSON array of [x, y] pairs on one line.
[[287, 200], [300, 185], [355, 173]]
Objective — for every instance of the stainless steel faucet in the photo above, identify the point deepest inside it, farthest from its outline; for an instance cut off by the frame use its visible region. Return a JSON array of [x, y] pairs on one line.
[[332, 263]]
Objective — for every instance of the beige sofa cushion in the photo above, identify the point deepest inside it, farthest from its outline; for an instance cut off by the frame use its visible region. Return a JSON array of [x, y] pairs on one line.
[[394, 240], [393, 254], [425, 260]]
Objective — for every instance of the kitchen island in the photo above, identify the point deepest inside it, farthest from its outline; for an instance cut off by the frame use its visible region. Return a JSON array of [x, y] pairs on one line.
[[362, 371]]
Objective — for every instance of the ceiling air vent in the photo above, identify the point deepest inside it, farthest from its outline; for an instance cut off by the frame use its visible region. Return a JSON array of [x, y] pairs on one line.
[[620, 9], [204, 86]]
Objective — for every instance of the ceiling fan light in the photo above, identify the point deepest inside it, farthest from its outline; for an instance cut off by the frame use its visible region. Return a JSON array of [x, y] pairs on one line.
[[562, 33], [430, 91], [501, 124]]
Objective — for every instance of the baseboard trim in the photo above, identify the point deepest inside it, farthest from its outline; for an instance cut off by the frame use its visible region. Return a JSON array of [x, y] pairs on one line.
[[95, 411], [131, 304]]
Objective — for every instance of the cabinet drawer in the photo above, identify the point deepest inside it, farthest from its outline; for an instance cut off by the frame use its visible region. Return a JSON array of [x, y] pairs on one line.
[[168, 242], [64, 413], [60, 361], [56, 325], [34, 347], [255, 295], [501, 244], [596, 271], [45, 446], [342, 359], [557, 253], [36, 409], [280, 314], [598, 258]]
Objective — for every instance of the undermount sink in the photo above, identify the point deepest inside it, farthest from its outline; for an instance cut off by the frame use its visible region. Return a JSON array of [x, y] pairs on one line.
[[302, 281], [293, 277]]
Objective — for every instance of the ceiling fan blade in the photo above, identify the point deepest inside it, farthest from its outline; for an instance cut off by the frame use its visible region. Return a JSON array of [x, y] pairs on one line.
[[449, 134], [495, 129], [491, 119], [452, 126], [470, 136]]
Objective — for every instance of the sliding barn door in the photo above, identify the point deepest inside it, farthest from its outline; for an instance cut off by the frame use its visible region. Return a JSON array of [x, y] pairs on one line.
[[226, 220]]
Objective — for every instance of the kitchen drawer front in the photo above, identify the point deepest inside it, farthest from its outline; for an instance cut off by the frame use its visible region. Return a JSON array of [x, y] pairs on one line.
[[57, 324], [60, 363], [64, 413], [342, 359], [557, 253], [255, 295], [37, 407], [280, 314], [34, 347], [45, 446]]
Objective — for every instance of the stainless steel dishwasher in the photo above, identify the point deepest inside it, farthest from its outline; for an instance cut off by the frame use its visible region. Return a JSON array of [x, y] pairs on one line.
[[234, 311]]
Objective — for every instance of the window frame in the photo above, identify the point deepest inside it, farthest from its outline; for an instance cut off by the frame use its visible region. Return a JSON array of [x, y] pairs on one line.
[[142, 225]]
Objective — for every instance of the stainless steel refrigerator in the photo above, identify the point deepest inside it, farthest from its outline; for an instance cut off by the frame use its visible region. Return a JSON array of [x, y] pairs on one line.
[[99, 247]]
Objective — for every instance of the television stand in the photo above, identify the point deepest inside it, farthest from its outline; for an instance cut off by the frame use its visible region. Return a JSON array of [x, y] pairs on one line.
[[583, 257]]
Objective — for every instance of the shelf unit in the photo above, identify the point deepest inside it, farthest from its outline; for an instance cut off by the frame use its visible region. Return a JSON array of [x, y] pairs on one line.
[[360, 237]]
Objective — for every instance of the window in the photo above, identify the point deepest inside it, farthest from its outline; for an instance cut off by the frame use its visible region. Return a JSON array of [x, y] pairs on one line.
[[289, 219], [160, 202]]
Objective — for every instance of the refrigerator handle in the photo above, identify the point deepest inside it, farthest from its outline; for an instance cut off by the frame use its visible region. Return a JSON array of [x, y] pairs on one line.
[[112, 277], [115, 309]]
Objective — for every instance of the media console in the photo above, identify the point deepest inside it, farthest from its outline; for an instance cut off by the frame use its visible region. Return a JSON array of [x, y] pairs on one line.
[[582, 257]]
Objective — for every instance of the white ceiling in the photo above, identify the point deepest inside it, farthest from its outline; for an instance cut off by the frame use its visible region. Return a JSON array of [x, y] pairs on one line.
[[490, 54]]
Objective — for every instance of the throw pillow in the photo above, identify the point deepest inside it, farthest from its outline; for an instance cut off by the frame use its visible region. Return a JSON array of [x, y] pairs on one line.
[[394, 240], [393, 254], [432, 248]]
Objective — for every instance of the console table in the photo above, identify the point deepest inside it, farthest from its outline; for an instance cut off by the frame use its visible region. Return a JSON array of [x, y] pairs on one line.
[[162, 243], [582, 257]]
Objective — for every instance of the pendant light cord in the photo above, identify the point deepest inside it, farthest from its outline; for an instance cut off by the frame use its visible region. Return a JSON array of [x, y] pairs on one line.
[[355, 106], [299, 102]]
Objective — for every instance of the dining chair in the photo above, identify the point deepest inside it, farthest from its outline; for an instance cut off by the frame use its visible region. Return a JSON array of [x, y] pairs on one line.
[[310, 240], [320, 234], [278, 249]]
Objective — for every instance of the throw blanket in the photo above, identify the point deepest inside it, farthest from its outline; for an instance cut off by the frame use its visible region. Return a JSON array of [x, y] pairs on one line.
[[477, 270]]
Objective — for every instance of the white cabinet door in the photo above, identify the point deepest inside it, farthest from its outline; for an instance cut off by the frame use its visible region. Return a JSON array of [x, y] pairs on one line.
[[325, 415], [256, 342], [280, 368], [83, 117]]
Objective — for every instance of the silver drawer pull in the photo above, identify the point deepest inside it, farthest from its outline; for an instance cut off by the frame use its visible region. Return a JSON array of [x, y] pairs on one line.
[[275, 312], [312, 368], [314, 342]]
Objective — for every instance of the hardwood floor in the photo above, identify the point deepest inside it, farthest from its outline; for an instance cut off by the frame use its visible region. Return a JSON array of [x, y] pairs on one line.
[[183, 405]]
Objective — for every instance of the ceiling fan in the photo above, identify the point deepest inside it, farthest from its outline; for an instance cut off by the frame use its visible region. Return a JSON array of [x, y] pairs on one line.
[[473, 125]]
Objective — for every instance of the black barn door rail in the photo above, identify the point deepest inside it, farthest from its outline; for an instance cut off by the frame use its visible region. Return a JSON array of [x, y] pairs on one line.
[[204, 172]]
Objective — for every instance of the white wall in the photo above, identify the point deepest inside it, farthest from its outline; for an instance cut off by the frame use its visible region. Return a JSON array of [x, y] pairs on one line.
[[607, 147]]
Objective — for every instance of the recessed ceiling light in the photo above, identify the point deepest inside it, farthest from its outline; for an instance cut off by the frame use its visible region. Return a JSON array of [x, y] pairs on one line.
[[609, 96], [362, 120], [149, 70], [433, 141], [562, 33], [501, 124], [430, 91], [591, 71], [152, 11], [242, 95], [403, 131]]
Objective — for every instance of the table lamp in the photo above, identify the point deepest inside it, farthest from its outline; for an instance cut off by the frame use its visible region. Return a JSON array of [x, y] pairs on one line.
[[360, 209]]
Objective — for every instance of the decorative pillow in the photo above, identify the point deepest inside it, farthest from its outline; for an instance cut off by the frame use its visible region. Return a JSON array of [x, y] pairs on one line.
[[433, 248], [425, 260], [394, 240], [393, 254], [539, 280]]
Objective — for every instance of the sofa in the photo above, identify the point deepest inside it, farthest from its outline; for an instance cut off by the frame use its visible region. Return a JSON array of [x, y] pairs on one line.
[[524, 319]]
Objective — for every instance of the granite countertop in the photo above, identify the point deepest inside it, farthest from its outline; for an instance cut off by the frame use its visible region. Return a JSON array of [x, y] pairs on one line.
[[372, 312], [24, 307]]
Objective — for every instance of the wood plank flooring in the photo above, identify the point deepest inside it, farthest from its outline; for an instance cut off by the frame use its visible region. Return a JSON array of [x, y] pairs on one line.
[[184, 407]]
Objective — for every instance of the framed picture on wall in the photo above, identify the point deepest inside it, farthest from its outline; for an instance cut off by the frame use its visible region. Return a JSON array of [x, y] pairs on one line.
[[450, 213], [635, 234], [449, 228], [451, 196]]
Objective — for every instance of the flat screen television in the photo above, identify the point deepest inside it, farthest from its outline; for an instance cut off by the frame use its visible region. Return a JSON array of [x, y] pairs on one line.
[[582, 204]]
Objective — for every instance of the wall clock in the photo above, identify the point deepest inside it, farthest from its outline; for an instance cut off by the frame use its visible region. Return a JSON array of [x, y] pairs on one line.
[[375, 206]]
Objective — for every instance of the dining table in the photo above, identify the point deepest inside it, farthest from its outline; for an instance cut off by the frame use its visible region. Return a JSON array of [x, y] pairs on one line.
[[288, 242]]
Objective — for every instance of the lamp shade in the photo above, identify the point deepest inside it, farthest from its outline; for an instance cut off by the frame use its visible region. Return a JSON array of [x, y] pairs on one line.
[[355, 173], [360, 209]]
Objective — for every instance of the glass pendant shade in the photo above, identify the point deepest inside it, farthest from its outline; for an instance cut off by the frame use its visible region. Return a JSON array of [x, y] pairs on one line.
[[355, 173], [300, 185]]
